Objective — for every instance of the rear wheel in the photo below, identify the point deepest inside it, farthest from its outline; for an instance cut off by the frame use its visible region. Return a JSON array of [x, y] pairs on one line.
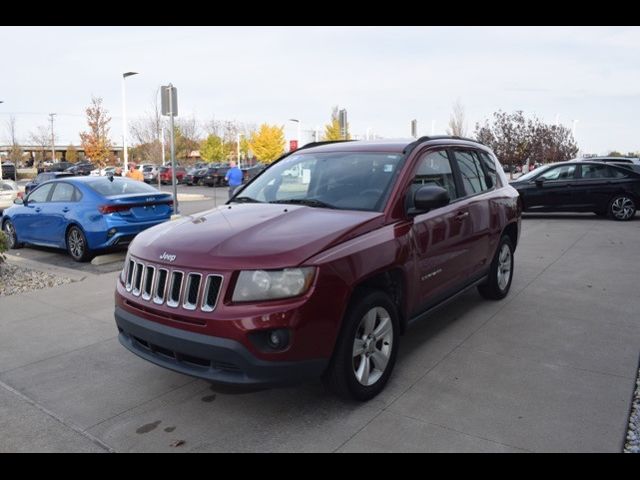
[[12, 237], [622, 207], [77, 245], [366, 349], [500, 272]]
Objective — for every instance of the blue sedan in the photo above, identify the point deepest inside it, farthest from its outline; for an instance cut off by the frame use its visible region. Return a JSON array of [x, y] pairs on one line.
[[85, 214]]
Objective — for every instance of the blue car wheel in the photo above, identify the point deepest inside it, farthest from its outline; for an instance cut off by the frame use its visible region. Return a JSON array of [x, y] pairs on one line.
[[10, 232], [77, 245]]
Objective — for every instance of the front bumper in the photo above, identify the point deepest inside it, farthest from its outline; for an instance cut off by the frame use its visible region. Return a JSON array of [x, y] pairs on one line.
[[220, 360]]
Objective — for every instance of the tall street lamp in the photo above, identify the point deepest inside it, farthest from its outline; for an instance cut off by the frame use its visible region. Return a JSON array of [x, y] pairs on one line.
[[2, 101], [124, 119], [53, 139], [238, 149]]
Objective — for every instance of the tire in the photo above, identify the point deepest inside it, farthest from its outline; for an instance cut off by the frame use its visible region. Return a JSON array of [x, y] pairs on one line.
[[364, 376], [622, 207], [500, 273], [11, 234], [77, 246]]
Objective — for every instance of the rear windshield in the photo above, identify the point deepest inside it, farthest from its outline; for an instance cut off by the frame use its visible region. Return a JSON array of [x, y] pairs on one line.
[[120, 186]]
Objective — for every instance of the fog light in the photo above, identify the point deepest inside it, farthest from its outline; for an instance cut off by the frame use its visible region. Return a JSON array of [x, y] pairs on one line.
[[278, 339], [111, 232]]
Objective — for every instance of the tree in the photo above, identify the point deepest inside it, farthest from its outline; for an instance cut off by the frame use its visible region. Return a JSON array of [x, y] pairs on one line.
[[332, 129], [146, 135], [186, 137], [15, 152], [96, 142], [42, 139], [212, 149], [615, 153], [515, 139], [268, 142], [457, 120], [72, 154]]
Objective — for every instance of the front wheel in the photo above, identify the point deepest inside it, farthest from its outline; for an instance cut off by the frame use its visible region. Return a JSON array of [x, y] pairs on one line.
[[622, 207], [366, 349], [77, 245], [500, 272], [12, 236]]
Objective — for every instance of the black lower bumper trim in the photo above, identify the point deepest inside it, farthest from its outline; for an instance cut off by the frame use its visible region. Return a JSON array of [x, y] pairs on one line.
[[216, 359]]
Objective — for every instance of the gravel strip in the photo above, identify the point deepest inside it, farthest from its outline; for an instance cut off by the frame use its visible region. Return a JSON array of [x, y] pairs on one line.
[[632, 445], [14, 279]]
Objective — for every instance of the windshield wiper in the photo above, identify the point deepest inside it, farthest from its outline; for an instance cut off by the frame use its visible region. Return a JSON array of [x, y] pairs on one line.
[[245, 200], [309, 202]]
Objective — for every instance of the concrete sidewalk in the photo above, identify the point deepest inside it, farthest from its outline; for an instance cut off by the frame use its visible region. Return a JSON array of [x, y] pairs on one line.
[[550, 368]]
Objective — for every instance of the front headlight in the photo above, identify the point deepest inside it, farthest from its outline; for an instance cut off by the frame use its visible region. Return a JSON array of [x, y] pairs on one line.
[[268, 285]]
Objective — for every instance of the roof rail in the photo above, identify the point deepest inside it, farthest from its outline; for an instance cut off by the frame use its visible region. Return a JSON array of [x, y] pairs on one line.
[[409, 148], [324, 142]]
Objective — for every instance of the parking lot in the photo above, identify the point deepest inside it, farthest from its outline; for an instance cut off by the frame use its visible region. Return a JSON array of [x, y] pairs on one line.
[[550, 368]]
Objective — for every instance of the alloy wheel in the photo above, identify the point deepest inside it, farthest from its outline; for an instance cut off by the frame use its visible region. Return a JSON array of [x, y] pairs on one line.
[[504, 267], [623, 208], [372, 346]]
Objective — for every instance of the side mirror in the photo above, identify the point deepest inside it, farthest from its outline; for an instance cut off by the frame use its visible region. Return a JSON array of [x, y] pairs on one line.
[[539, 182], [19, 201], [429, 197]]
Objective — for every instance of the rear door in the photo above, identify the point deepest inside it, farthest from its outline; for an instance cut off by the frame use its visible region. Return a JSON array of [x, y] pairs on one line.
[[476, 185], [58, 210], [595, 185]]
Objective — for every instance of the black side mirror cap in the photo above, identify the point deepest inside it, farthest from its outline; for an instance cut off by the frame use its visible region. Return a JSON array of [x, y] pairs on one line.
[[539, 182], [428, 197]]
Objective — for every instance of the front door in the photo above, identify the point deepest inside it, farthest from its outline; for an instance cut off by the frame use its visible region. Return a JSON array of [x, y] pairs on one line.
[[440, 235]]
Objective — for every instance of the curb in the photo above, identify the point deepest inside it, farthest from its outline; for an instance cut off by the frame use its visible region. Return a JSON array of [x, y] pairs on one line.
[[74, 275]]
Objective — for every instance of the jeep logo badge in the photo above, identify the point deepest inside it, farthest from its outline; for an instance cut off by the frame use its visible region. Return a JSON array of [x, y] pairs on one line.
[[169, 258]]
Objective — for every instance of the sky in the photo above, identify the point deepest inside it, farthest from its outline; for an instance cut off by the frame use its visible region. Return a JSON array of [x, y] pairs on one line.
[[587, 78]]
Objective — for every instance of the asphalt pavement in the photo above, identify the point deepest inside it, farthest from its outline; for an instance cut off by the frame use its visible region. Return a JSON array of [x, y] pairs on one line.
[[551, 368]]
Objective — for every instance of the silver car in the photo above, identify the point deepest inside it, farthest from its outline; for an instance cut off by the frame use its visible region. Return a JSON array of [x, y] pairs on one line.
[[9, 191]]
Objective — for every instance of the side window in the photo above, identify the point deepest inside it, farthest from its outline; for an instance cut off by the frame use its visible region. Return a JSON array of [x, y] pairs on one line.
[[601, 171], [615, 173], [63, 192], [40, 194], [490, 168], [434, 168], [471, 172], [6, 186], [563, 172]]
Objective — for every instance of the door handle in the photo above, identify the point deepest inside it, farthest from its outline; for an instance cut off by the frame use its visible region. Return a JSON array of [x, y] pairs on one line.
[[461, 216], [65, 209], [38, 209]]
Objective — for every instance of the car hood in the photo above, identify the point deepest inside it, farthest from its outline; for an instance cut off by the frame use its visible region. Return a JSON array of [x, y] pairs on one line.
[[251, 236]]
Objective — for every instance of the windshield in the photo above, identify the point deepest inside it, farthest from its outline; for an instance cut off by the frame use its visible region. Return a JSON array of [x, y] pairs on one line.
[[120, 186], [532, 173], [343, 180]]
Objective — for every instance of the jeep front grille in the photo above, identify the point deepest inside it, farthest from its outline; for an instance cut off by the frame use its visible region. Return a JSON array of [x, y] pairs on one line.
[[174, 288]]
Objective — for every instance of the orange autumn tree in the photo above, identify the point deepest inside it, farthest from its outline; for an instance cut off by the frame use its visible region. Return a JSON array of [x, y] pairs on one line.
[[96, 142]]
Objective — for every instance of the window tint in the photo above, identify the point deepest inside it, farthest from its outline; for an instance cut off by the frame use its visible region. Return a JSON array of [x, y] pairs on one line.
[[600, 171], [345, 180], [471, 172], [63, 192], [562, 172], [434, 169], [490, 168], [40, 194], [120, 186]]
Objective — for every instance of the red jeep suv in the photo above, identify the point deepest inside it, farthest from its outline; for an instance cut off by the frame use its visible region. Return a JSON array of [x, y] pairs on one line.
[[317, 266]]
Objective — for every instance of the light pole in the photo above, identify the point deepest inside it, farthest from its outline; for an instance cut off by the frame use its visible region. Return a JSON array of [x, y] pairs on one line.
[[298, 130], [53, 139], [2, 101], [124, 119], [238, 148]]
